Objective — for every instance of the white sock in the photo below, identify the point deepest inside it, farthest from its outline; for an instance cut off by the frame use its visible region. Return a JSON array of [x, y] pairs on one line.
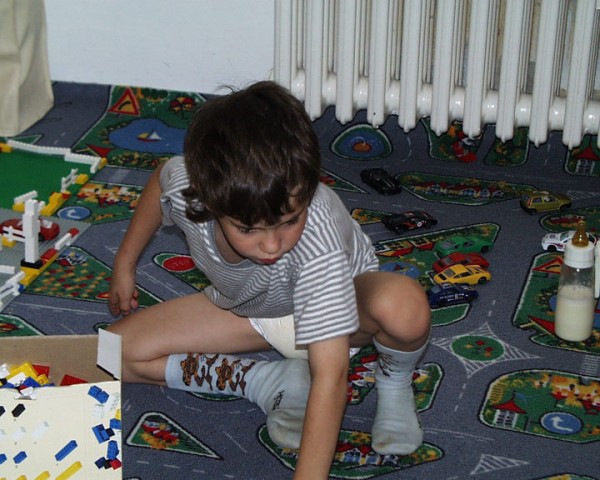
[[280, 388], [396, 428]]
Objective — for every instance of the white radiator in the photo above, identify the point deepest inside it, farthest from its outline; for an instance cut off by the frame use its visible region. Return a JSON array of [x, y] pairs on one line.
[[511, 63]]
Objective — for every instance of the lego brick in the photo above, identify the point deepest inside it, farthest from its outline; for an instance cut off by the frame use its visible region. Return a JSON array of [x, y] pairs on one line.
[[63, 452], [51, 436], [20, 457], [71, 380], [69, 472], [18, 410]]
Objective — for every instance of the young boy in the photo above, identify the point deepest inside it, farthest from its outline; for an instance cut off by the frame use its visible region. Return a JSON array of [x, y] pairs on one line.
[[289, 268]]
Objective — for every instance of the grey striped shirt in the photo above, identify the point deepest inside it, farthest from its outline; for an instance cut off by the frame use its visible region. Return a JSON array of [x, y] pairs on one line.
[[313, 281]]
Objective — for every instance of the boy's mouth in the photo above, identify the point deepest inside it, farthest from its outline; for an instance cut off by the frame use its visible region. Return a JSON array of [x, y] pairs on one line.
[[268, 261]]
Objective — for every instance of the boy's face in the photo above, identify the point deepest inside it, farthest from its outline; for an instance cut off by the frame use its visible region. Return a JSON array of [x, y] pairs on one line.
[[263, 244]]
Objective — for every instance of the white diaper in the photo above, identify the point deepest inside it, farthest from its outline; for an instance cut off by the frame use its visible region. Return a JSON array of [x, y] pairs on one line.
[[281, 335]]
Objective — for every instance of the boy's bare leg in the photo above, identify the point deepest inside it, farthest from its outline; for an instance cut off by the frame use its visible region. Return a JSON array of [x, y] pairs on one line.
[[156, 346], [186, 324], [395, 316]]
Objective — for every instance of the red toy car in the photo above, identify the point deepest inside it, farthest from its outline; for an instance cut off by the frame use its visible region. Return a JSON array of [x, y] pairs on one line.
[[48, 229], [454, 258]]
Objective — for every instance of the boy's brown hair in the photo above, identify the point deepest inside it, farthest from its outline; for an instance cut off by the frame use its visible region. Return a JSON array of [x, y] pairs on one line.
[[246, 153]]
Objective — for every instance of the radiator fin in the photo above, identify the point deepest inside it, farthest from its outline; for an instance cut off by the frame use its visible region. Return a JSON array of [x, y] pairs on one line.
[[511, 63]]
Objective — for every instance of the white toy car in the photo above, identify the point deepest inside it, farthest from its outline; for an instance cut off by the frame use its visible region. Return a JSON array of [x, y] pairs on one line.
[[555, 242]]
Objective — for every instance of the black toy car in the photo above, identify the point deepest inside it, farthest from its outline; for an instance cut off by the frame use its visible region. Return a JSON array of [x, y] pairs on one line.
[[446, 294], [381, 181], [405, 221]]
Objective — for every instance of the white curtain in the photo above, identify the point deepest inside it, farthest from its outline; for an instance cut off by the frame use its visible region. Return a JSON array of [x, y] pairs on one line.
[[25, 87]]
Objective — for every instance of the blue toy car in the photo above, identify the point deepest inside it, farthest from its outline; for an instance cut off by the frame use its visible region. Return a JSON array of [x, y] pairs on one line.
[[446, 294]]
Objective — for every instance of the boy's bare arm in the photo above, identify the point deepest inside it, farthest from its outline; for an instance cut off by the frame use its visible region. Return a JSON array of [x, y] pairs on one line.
[[325, 410], [146, 220]]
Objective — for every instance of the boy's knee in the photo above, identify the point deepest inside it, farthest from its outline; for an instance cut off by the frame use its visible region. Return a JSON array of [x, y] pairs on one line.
[[398, 306], [401, 295]]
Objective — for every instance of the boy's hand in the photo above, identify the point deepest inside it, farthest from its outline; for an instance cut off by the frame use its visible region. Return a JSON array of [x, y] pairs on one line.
[[122, 296]]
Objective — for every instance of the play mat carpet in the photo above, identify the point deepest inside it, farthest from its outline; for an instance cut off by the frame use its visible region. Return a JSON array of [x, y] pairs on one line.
[[500, 395]]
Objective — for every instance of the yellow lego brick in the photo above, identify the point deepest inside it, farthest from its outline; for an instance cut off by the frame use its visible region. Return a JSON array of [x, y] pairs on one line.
[[54, 203], [82, 179], [7, 243], [5, 148], [30, 275], [69, 472], [118, 414], [42, 379], [25, 368], [43, 476]]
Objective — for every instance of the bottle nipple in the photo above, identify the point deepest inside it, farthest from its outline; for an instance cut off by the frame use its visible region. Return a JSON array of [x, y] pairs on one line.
[[580, 239]]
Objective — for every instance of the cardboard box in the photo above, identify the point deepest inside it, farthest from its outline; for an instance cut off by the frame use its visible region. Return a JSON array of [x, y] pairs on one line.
[[60, 431]]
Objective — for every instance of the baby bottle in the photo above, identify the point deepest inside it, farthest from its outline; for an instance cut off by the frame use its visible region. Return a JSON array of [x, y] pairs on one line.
[[575, 301]]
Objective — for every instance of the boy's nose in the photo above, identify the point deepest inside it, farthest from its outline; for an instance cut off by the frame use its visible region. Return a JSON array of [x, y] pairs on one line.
[[271, 243]]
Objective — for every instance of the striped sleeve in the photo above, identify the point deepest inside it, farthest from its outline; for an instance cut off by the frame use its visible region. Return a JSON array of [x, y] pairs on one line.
[[324, 299], [173, 179]]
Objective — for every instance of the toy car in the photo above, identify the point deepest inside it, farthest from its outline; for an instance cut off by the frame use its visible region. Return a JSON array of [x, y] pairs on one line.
[[48, 229], [544, 201], [446, 294], [463, 275], [405, 221], [555, 242], [464, 244], [455, 258], [381, 181]]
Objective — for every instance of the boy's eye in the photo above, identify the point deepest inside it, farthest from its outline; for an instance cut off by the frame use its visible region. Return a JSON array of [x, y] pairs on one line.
[[293, 221], [245, 230]]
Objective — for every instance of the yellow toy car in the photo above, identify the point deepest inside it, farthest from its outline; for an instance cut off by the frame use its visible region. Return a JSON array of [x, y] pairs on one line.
[[544, 201], [463, 275]]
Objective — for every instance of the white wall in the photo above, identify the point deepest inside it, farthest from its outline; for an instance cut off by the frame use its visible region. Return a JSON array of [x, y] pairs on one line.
[[189, 45]]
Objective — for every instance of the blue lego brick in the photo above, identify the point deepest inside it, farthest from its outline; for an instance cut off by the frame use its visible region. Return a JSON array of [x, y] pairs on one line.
[[93, 391], [102, 397], [31, 382], [68, 448], [100, 433], [99, 394], [115, 424], [2, 458], [19, 457], [112, 450]]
